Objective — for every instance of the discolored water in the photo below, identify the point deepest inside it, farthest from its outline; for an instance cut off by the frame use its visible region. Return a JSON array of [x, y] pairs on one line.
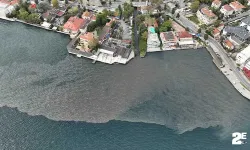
[[182, 90]]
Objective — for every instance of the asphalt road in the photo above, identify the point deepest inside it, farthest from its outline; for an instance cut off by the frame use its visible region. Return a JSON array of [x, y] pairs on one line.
[[222, 53]]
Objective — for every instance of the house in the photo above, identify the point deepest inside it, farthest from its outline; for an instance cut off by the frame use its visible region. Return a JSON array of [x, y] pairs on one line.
[[86, 39], [238, 7], [7, 6], [237, 35], [228, 44], [216, 4], [87, 15], [73, 26], [246, 23], [216, 33], [185, 39], [169, 40], [246, 70], [243, 56], [227, 10], [153, 42], [206, 16]]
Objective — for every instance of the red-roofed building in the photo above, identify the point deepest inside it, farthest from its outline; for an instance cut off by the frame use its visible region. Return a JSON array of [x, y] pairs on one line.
[[216, 4], [85, 40], [33, 6], [228, 44], [185, 39], [246, 70], [227, 10], [216, 33], [206, 16], [73, 25], [237, 6], [87, 15], [7, 6]]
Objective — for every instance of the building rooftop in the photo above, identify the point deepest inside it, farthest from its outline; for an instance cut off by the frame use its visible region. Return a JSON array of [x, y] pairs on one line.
[[238, 31], [216, 31], [246, 20], [207, 12], [74, 23], [228, 43], [86, 14], [184, 34], [227, 7], [88, 36], [169, 36], [9, 2], [236, 5], [216, 2]]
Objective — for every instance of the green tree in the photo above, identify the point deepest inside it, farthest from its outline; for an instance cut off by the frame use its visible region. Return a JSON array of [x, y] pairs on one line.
[[91, 27], [144, 36], [44, 6], [23, 14], [73, 10], [178, 15], [55, 3], [195, 5], [166, 26], [205, 36], [199, 30]]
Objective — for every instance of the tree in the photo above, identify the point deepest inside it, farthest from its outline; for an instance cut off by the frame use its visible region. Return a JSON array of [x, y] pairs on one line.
[[34, 18], [205, 36], [66, 1], [110, 3], [55, 3], [91, 27], [23, 14], [93, 44], [187, 29], [73, 10], [44, 6], [195, 5], [36, 1], [217, 23], [166, 26], [144, 36], [199, 30]]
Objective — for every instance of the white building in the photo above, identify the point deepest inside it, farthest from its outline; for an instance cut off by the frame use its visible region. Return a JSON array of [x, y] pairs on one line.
[[227, 10], [243, 56], [153, 42], [7, 7], [206, 16], [216, 4], [246, 23]]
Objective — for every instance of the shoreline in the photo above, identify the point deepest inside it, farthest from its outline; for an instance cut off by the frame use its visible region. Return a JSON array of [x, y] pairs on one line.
[[230, 75]]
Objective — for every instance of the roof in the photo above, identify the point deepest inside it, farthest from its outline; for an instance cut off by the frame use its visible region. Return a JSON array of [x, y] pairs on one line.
[[177, 27], [207, 12], [236, 5], [238, 31], [60, 13], [246, 20], [86, 14], [123, 52], [216, 2], [227, 7], [216, 31], [184, 34], [228, 43], [9, 2], [74, 23], [32, 6], [89, 36], [169, 36]]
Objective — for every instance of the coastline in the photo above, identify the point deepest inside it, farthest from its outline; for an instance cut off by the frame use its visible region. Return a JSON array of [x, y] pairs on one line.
[[226, 70]]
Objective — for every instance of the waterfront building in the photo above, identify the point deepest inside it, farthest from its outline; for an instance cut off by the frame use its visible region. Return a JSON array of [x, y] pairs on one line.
[[216, 4], [246, 23], [246, 70], [7, 6], [237, 6], [216, 33], [206, 16], [227, 10], [153, 42], [237, 35], [169, 40], [243, 56], [73, 26], [185, 39], [228, 44], [86, 39]]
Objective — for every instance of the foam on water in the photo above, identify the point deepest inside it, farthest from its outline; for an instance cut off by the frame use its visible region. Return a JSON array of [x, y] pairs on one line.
[[182, 90]]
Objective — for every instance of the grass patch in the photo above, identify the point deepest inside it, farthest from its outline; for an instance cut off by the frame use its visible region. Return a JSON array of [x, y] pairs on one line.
[[194, 19], [142, 47]]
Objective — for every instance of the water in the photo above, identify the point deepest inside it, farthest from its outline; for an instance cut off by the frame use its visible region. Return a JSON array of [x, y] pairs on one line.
[[180, 98]]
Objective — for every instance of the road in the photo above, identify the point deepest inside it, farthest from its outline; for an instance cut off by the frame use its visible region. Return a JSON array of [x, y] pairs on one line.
[[247, 13], [215, 44]]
